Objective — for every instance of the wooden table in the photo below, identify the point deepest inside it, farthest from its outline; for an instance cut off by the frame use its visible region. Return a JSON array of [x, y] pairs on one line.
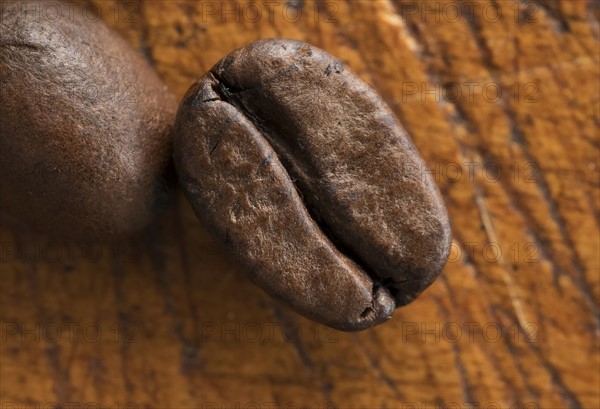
[[500, 97]]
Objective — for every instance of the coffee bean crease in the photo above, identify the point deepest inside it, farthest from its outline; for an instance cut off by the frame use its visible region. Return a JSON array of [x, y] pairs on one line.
[[317, 185]]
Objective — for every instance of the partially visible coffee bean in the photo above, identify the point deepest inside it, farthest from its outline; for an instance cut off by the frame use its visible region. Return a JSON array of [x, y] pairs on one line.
[[85, 125], [300, 167]]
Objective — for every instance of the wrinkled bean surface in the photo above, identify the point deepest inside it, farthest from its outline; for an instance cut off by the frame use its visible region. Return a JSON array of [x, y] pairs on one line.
[[300, 167]]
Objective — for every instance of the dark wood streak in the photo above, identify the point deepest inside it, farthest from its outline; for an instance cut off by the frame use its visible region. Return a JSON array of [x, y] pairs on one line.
[[570, 399], [468, 391], [551, 9], [483, 348], [62, 387], [373, 360], [145, 44], [518, 137], [190, 356], [122, 318]]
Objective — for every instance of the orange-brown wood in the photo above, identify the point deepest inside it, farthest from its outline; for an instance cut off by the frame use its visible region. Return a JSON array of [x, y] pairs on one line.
[[501, 99]]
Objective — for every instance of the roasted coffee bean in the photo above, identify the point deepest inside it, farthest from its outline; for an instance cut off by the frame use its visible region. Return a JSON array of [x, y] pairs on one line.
[[85, 125], [300, 167]]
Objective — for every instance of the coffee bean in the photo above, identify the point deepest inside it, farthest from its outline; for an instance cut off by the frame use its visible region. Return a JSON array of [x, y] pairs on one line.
[[85, 125], [300, 167]]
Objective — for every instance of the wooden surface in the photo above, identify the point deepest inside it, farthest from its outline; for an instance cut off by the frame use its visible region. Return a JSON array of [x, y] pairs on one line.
[[168, 320]]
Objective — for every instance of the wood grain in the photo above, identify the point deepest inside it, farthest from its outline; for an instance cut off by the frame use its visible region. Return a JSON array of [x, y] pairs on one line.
[[504, 109]]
